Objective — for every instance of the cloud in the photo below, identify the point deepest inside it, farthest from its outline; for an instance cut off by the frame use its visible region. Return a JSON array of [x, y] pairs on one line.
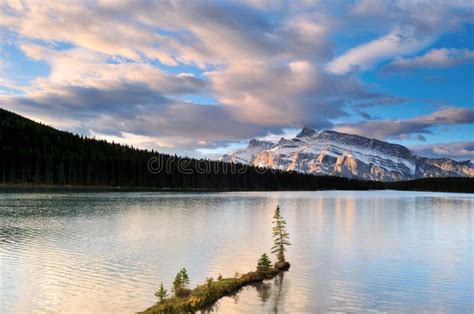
[[424, 17], [172, 32], [457, 150], [115, 29], [82, 67], [291, 95], [364, 57], [402, 129], [411, 26], [433, 59], [421, 138]]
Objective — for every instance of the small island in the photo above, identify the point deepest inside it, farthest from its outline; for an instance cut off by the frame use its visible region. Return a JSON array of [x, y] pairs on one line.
[[204, 295]]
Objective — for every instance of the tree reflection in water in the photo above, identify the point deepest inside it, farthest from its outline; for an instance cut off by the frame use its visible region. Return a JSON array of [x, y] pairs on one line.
[[264, 291], [275, 291]]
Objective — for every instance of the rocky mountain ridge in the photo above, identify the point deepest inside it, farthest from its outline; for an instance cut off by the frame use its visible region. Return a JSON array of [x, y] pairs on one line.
[[329, 152]]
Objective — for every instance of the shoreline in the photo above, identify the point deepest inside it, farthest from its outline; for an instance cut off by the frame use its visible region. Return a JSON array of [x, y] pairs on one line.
[[79, 188], [466, 186]]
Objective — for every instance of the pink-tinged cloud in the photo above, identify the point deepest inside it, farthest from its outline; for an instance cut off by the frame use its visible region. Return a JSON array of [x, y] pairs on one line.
[[457, 150], [364, 57], [386, 129], [433, 59]]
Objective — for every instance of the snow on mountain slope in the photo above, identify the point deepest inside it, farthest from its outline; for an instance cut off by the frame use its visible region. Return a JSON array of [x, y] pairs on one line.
[[333, 153]]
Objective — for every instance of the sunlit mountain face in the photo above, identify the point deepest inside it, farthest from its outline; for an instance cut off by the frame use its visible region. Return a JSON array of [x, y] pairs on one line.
[[333, 153], [202, 78]]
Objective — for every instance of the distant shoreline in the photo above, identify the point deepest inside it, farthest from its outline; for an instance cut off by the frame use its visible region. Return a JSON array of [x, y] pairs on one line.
[[448, 185], [42, 187]]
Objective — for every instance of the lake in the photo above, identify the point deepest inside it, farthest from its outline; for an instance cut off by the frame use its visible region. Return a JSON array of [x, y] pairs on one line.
[[351, 251]]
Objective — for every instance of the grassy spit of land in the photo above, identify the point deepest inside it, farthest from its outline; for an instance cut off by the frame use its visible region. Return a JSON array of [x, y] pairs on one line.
[[208, 293]]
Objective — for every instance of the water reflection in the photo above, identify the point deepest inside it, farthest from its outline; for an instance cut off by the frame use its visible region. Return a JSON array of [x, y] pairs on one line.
[[264, 291], [351, 251]]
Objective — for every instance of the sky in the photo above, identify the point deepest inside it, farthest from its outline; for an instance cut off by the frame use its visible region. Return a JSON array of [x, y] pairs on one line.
[[201, 78]]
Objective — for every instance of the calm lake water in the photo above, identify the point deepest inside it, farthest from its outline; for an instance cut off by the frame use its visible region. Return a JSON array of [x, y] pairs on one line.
[[351, 251]]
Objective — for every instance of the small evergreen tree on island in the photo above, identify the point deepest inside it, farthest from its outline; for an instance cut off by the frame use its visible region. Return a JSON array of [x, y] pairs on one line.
[[177, 283], [209, 282], [264, 264], [185, 278], [181, 282], [162, 293], [280, 236]]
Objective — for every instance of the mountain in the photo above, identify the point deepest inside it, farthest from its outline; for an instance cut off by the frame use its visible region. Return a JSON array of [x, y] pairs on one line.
[[332, 153]]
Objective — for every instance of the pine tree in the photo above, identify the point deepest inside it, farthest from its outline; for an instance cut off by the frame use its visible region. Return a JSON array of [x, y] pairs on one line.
[[280, 235], [178, 283], [162, 293], [185, 278], [209, 282], [264, 264]]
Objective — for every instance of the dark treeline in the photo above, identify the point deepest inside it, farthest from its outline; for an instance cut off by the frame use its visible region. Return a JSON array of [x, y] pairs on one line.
[[34, 154], [464, 185]]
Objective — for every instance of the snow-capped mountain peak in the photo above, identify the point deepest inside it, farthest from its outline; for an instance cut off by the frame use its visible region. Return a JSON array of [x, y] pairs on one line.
[[333, 153], [254, 143], [306, 132]]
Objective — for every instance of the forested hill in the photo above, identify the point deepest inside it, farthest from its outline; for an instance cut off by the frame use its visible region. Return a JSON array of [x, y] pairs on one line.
[[32, 154], [35, 154]]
